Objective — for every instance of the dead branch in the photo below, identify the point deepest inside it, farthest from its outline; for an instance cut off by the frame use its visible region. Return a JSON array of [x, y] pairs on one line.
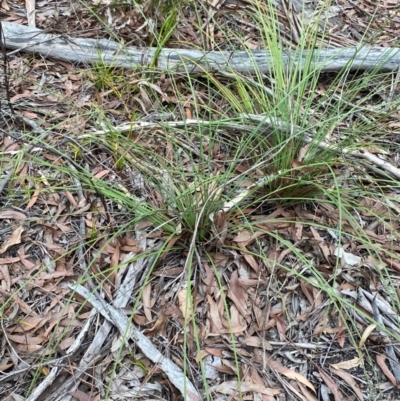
[[88, 51]]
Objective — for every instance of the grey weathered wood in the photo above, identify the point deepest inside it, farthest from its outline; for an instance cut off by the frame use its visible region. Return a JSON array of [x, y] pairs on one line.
[[87, 51]]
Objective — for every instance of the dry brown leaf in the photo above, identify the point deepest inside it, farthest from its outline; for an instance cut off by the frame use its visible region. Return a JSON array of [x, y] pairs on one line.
[[250, 259], [27, 339], [134, 248], [243, 236], [234, 387], [4, 5], [308, 395], [23, 305], [283, 254], [251, 282], [289, 373], [259, 314], [146, 299], [56, 248], [350, 364], [213, 351], [281, 327], [341, 337], [32, 322], [100, 175], [54, 275], [267, 325], [66, 343], [220, 227], [6, 277], [321, 326], [227, 370], [35, 197], [156, 327], [208, 279], [216, 324], [184, 304], [257, 342], [256, 378], [380, 360], [241, 307], [5, 367], [298, 231], [349, 380], [23, 95], [318, 298], [233, 330], [331, 385], [12, 214], [82, 395], [131, 241], [6, 261], [239, 292], [394, 264], [29, 348], [307, 290], [27, 264], [63, 228], [14, 239], [71, 199], [324, 247], [366, 334], [114, 262]]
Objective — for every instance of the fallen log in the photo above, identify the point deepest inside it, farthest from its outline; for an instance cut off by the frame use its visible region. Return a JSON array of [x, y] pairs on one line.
[[89, 51]]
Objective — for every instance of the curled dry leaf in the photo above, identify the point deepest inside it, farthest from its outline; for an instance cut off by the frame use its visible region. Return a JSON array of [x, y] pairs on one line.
[[14, 239], [243, 236], [366, 334], [347, 258], [156, 326]]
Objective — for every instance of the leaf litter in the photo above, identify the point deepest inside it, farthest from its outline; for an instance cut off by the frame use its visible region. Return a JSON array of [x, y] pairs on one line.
[[281, 336]]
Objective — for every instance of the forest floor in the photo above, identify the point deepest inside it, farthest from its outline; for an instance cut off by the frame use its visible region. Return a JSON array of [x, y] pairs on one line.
[[111, 290]]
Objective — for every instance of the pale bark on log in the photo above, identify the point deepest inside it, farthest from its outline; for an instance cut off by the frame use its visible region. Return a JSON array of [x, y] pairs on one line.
[[88, 51]]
